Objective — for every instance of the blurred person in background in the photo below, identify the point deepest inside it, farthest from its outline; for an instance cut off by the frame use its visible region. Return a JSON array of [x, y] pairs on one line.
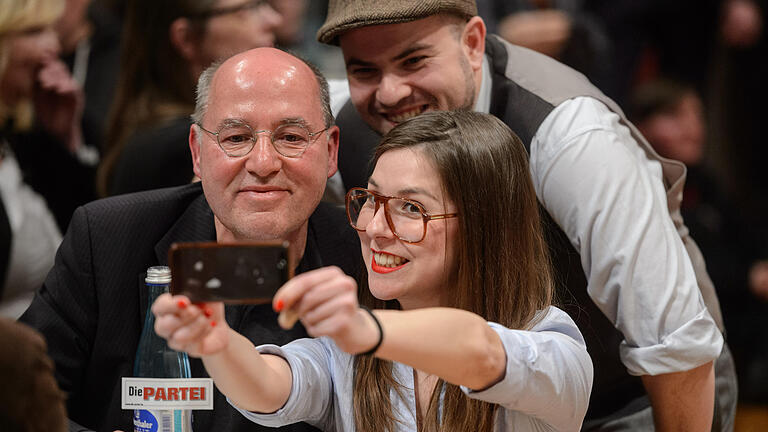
[[294, 14], [42, 109], [89, 34], [34, 86], [30, 399], [670, 115], [301, 20], [167, 45], [561, 29], [739, 110]]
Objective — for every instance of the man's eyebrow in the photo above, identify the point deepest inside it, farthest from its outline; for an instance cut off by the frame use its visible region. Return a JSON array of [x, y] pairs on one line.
[[231, 121], [238, 121], [293, 121], [411, 49], [354, 61]]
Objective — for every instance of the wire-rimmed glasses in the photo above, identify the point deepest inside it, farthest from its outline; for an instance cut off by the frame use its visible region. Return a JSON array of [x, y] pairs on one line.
[[237, 139], [406, 218]]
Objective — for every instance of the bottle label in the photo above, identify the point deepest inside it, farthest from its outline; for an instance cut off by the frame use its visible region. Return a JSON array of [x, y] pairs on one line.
[[162, 421], [145, 421], [167, 393]]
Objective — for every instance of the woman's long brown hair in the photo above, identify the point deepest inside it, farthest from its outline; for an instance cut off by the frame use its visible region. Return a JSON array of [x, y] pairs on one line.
[[155, 83], [504, 272]]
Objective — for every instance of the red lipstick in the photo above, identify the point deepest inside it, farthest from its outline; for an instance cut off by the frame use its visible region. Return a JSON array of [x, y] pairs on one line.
[[381, 269]]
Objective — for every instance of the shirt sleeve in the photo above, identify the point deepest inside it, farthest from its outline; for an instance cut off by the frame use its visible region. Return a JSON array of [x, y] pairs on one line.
[[548, 375], [311, 387], [609, 198]]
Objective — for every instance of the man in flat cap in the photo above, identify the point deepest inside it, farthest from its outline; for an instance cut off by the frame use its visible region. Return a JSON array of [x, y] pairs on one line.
[[631, 276]]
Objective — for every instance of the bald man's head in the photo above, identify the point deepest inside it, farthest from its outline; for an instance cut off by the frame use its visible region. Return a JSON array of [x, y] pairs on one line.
[[260, 61], [263, 146]]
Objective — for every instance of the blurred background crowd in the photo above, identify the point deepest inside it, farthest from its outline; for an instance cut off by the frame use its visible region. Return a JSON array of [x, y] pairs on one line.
[[95, 97]]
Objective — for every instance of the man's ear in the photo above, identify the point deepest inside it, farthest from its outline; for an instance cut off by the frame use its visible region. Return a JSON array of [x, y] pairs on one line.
[[195, 142], [182, 38], [473, 42], [333, 150]]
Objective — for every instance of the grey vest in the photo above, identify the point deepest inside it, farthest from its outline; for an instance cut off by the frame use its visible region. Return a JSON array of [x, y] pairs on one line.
[[526, 87]]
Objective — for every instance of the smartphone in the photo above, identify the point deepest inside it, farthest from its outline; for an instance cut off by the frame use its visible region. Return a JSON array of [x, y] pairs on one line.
[[230, 272]]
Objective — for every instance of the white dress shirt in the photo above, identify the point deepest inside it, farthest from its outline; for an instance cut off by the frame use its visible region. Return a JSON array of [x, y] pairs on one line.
[[608, 197]]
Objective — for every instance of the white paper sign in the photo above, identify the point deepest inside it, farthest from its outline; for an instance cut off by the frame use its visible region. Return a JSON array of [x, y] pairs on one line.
[[167, 393]]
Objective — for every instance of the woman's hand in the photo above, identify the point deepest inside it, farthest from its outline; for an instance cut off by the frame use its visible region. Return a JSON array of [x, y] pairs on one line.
[[325, 300], [198, 329], [59, 103]]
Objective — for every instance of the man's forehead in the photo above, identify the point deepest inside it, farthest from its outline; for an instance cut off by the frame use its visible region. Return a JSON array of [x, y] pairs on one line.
[[264, 72], [261, 80], [354, 59], [272, 101], [397, 41]]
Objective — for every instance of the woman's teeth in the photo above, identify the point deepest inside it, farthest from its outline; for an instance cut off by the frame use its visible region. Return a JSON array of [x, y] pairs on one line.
[[386, 260]]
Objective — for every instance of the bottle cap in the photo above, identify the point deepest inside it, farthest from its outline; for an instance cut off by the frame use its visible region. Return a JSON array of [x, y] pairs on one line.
[[158, 275]]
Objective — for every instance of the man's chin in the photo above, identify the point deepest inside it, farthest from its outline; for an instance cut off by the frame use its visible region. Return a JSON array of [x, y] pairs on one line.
[[382, 126], [260, 234]]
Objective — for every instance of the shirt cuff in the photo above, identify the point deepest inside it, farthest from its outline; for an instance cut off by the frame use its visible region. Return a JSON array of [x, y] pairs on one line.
[[695, 343]]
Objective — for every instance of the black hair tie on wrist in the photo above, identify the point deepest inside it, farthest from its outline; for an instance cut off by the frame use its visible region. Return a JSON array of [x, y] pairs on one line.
[[381, 332]]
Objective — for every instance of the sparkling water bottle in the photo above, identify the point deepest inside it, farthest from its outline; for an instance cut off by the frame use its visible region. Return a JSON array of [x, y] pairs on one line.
[[154, 359]]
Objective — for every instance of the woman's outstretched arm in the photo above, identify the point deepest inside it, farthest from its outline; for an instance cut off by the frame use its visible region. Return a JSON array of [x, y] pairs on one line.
[[252, 381], [544, 372], [453, 344]]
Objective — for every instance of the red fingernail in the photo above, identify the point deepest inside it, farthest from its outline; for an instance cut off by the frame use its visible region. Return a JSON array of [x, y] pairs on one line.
[[213, 323], [279, 305], [207, 311], [182, 304]]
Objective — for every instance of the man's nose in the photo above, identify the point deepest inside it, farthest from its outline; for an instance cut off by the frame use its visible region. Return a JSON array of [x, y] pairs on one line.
[[263, 160], [392, 89]]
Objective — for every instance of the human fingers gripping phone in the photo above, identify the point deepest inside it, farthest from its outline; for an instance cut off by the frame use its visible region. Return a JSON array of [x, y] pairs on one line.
[[234, 273], [325, 299]]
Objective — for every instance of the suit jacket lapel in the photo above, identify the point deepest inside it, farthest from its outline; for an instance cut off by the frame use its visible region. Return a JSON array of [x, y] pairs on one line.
[[196, 224]]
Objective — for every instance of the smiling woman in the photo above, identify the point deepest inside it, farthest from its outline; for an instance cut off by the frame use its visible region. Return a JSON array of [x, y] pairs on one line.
[[462, 335]]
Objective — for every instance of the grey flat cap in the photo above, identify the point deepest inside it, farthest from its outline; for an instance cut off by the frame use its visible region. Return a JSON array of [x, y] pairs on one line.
[[344, 15]]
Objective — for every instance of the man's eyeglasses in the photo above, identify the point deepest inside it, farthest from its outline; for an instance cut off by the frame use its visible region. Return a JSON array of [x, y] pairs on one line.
[[253, 5], [406, 218], [237, 139]]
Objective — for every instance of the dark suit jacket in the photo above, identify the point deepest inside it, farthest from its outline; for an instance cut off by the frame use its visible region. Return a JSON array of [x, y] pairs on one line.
[[92, 305]]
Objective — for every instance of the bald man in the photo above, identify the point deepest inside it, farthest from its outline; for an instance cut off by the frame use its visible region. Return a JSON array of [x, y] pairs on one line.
[[92, 305]]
